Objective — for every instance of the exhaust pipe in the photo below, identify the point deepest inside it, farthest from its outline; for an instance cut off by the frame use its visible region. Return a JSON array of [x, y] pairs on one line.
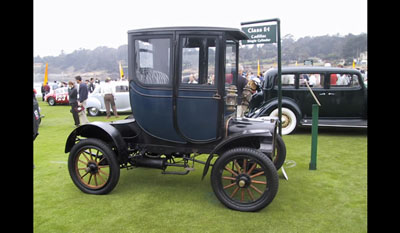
[[140, 161]]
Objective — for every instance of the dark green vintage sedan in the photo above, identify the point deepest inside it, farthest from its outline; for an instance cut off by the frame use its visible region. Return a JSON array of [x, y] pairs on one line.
[[341, 92]]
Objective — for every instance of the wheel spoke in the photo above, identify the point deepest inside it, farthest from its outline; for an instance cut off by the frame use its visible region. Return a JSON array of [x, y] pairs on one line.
[[84, 175], [242, 195], [82, 162], [90, 178], [85, 156], [101, 178], [237, 166], [244, 165], [250, 194], [256, 189], [234, 192], [105, 173], [258, 182], [231, 171], [95, 179], [252, 168], [257, 174], [97, 156], [229, 185], [228, 178]]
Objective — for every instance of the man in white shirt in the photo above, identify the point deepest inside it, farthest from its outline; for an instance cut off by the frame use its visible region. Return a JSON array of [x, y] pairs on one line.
[[108, 91]]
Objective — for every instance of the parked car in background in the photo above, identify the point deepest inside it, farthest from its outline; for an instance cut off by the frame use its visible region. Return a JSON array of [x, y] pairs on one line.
[[57, 96], [95, 103], [341, 92]]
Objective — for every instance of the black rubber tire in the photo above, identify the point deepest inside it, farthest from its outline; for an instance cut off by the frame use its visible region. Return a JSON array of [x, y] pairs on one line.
[[251, 154], [110, 161]]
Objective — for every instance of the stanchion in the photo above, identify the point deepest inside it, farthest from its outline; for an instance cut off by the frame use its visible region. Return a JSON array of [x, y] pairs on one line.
[[314, 130], [314, 137]]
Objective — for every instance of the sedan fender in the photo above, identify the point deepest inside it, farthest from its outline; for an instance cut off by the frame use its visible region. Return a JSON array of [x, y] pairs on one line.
[[268, 107], [92, 102]]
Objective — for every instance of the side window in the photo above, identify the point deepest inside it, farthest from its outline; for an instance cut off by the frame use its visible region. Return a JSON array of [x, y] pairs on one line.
[[198, 60], [152, 58], [344, 81], [121, 88], [314, 80], [287, 81], [230, 62]]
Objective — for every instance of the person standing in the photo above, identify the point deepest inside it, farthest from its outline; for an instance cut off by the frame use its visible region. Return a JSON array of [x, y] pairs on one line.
[[91, 85], [73, 101], [108, 92], [82, 97], [241, 83]]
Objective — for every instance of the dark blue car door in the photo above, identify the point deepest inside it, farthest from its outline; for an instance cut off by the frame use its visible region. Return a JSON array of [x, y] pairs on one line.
[[199, 99]]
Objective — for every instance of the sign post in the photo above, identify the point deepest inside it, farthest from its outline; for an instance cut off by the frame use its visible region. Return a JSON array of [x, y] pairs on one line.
[[267, 34], [314, 130]]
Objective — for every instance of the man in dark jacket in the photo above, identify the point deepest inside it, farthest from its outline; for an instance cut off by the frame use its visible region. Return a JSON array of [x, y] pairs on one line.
[[241, 83], [82, 97], [73, 101]]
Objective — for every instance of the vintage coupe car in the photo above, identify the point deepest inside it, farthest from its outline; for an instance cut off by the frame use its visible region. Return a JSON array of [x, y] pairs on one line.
[[95, 102], [175, 121], [57, 96], [341, 92]]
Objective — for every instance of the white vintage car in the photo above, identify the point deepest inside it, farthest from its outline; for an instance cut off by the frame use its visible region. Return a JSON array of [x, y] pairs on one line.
[[95, 103]]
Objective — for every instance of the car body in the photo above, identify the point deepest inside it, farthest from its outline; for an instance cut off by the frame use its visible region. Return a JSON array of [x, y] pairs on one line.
[[95, 102], [176, 118], [57, 96], [341, 92]]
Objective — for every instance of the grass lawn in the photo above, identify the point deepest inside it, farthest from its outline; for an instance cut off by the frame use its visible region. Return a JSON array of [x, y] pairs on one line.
[[332, 198]]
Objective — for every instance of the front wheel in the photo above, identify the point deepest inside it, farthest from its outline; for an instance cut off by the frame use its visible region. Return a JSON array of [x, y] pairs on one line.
[[93, 166], [244, 179], [289, 120], [93, 111]]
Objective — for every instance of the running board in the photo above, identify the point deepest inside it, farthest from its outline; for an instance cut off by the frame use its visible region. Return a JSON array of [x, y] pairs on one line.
[[348, 123]]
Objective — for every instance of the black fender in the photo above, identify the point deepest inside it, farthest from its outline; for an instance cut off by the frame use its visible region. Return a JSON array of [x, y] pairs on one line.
[[103, 131], [267, 107], [241, 139]]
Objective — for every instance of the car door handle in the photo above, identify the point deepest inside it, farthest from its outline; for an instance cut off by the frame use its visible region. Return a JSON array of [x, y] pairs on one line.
[[330, 93], [323, 93], [217, 96]]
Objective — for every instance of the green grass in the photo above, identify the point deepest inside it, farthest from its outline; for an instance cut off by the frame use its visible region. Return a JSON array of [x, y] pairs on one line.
[[332, 198]]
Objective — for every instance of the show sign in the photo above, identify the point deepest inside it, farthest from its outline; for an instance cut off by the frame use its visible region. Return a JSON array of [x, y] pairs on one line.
[[260, 34]]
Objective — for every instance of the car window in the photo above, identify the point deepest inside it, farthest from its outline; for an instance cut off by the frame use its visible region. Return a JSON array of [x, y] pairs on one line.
[[198, 60], [287, 81], [230, 62], [152, 58], [122, 88], [314, 80], [344, 81]]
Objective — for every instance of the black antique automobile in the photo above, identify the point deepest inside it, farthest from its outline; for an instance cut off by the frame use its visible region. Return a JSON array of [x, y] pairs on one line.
[[341, 92], [183, 97]]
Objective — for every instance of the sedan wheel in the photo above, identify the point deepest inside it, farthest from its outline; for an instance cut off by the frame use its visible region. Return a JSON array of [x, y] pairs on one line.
[[93, 111], [289, 120]]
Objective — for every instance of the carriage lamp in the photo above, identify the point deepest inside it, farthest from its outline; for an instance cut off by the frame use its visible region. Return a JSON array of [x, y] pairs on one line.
[[231, 100]]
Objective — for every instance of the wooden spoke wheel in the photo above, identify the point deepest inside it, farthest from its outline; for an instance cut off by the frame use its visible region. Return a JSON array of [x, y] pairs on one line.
[[244, 179], [93, 166]]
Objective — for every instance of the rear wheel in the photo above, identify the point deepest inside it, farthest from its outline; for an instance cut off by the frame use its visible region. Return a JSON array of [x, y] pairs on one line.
[[244, 179], [93, 166], [51, 101]]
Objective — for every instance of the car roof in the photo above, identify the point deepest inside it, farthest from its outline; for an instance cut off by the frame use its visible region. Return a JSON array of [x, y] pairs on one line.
[[234, 32], [312, 69]]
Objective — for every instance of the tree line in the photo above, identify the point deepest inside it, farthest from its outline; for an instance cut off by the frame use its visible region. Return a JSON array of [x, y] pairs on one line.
[[329, 48]]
